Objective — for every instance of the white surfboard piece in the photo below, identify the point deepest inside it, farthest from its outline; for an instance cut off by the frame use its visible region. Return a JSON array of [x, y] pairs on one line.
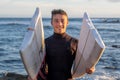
[[32, 49], [90, 48]]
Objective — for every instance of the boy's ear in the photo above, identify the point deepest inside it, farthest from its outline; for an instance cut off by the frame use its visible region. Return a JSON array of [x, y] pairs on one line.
[[67, 22]]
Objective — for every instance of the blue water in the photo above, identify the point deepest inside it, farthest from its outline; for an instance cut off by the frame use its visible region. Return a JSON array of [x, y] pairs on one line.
[[12, 31]]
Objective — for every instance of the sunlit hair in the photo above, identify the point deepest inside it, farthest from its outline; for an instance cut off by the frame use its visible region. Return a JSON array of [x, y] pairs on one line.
[[58, 11]]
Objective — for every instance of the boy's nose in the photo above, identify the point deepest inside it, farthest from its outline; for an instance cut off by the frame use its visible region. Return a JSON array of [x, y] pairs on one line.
[[60, 23]]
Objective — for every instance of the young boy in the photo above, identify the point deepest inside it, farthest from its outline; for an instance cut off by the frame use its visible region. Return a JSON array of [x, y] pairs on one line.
[[60, 49]]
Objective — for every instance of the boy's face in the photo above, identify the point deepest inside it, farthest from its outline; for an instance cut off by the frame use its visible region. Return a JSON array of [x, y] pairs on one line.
[[59, 23]]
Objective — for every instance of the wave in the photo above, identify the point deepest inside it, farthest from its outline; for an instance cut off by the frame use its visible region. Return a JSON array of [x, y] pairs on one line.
[[47, 27], [112, 67], [106, 20], [12, 61], [107, 30], [112, 20], [77, 28], [13, 23], [1, 49]]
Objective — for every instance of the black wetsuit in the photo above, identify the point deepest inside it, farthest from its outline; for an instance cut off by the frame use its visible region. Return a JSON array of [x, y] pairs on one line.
[[60, 53]]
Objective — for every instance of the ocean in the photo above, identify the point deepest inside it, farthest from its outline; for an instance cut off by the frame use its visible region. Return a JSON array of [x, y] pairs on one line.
[[12, 32]]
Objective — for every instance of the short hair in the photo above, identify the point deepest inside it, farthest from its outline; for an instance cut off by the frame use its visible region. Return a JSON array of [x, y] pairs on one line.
[[58, 11]]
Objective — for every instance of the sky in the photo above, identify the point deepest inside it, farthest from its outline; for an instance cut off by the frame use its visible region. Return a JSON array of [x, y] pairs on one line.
[[74, 8]]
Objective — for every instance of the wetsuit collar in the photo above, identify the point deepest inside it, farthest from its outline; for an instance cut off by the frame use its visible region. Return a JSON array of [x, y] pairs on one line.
[[56, 35]]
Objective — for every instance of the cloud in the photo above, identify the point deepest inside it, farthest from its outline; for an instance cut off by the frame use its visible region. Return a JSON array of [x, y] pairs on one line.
[[106, 0], [114, 0]]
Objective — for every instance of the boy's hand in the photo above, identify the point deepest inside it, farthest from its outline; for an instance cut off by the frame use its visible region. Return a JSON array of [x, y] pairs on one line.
[[90, 70]]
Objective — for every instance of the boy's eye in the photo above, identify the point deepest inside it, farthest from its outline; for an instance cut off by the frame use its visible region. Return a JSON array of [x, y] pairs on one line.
[[56, 20], [62, 20]]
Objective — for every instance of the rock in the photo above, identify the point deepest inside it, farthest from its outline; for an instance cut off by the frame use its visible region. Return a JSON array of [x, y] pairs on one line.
[[116, 46], [13, 76]]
